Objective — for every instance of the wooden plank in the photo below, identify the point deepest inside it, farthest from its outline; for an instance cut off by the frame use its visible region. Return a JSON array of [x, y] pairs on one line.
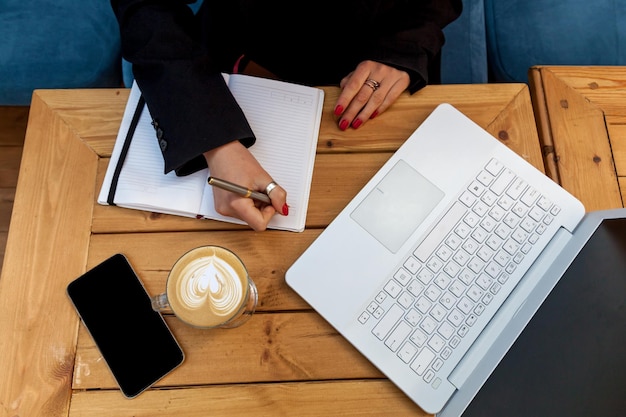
[[47, 246], [514, 126], [269, 347], [336, 179], [388, 131], [543, 123], [96, 114], [267, 256], [581, 145], [604, 86], [357, 398]]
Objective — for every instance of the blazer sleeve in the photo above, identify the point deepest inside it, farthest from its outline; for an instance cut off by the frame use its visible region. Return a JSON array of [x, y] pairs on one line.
[[410, 36], [192, 108]]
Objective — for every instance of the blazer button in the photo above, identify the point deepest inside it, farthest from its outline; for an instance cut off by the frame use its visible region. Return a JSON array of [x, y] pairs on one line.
[[162, 144]]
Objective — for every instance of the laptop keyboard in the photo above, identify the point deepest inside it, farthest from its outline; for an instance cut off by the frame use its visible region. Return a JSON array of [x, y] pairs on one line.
[[445, 291]]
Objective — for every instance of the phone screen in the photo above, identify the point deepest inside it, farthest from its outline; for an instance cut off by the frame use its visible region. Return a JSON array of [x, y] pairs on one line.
[[134, 340]]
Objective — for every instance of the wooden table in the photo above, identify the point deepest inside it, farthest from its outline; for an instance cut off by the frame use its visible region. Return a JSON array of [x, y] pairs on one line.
[[286, 360], [581, 116]]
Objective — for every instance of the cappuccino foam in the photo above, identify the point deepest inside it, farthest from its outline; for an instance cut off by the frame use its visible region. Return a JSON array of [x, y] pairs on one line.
[[207, 287]]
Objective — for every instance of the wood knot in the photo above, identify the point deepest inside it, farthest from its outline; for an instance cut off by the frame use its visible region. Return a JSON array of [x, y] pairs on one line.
[[597, 159], [564, 104], [594, 85], [503, 135], [329, 144]]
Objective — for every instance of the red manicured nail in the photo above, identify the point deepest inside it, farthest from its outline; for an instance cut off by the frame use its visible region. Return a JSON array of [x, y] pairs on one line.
[[338, 110], [343, 125], [357, 123], [285, 209], [374, 114]]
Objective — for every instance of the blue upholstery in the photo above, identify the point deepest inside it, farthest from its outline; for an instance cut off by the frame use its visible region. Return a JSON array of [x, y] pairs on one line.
[[523, 33], [75, 44], [464, 55], [56, 44]]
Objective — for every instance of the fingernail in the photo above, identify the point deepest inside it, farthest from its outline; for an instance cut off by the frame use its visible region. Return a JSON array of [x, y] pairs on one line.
[[343, 125], [338, 110], [356, 123], [285, 209], [374, 114]]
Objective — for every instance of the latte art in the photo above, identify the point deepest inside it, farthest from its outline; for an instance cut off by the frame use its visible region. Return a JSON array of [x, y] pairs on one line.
[[209, 287], [211, 283]]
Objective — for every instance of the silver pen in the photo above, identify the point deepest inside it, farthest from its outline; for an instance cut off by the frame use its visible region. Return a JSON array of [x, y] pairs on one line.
[[238, 189]]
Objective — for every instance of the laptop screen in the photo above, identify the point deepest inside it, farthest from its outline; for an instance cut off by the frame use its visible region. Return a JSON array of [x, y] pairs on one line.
[[570, 360]]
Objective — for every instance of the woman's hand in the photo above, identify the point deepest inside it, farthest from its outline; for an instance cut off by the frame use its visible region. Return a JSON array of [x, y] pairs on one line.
[[233, 162], [368, 91]]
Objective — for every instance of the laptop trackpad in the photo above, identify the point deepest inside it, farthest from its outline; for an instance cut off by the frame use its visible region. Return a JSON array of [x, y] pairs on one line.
[[397, 205]]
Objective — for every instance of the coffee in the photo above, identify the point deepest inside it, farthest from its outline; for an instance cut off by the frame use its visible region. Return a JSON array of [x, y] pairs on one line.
[[209, 287]]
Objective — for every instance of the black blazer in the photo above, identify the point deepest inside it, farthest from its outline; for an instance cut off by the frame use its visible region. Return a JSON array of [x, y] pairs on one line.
[[177, 56]]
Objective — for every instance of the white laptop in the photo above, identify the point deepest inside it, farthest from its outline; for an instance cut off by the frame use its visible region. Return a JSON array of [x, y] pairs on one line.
[[433, 258]]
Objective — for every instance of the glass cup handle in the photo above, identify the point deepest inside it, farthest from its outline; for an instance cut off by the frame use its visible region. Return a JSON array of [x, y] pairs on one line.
[[159, 302]]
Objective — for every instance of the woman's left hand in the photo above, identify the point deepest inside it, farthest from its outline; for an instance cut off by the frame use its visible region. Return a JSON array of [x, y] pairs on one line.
[[368, 91]]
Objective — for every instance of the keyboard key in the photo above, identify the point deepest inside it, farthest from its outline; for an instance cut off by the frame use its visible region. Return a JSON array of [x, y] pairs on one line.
[[407, 352], [364, 317], [390, 319], [502, 182], [419, 337], [402, 276], [393, 288], [413, 317], [494, 167], [421, 362], [406, 300], [397, 336], [436, 343], [441, 230]]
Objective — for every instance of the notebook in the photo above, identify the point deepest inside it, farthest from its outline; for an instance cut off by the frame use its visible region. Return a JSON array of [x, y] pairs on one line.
[[431, 260], [135, 175]]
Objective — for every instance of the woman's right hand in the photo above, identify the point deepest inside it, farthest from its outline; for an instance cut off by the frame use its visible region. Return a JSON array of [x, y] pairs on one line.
[[233, 162]]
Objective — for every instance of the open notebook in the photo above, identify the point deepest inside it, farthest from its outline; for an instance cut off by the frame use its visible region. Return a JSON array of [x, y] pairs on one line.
[[432, 259], [135, 178]]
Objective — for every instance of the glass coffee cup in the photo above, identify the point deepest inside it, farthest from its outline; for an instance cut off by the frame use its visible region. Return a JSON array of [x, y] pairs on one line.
[[209, 287]]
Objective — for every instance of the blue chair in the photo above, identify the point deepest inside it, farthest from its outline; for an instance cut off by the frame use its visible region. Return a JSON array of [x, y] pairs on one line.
[[464, 55], [523, 33], [56, 44]]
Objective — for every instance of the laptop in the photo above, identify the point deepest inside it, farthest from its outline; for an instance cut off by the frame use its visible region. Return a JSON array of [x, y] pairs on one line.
[[427, 266], [562, 354]]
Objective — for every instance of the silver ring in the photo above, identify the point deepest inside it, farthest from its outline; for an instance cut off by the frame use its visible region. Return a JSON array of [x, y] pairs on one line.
[[270, 187], [372, 84]]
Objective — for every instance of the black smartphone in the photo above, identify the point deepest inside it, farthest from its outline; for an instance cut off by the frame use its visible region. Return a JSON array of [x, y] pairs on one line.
[[134, 340]]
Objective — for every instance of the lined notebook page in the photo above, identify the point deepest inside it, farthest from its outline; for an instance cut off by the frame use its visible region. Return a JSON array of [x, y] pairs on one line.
[[285, 119], [142, 183]]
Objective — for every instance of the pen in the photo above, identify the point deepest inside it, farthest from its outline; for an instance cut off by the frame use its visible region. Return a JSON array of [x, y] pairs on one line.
[[238, 189]]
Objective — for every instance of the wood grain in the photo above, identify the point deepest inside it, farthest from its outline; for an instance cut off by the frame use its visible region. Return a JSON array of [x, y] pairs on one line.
[[286, 360], [581, 115]]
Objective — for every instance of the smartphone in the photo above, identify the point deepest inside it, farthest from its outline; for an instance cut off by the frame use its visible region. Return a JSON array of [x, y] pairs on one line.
[[134, 340]]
